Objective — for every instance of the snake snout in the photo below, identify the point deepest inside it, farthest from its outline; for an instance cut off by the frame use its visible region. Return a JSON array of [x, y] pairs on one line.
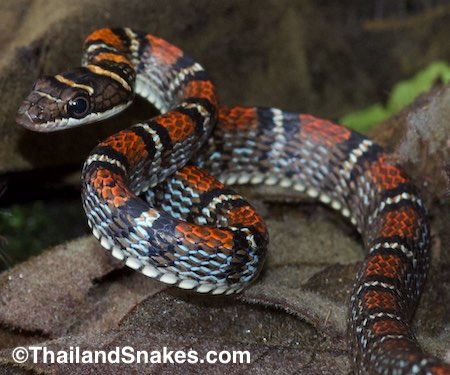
[[37, 112], [24, 117], [30, 116]]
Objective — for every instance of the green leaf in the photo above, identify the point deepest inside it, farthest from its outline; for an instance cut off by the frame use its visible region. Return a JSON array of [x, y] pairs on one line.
[[364, 119], [401, 95]]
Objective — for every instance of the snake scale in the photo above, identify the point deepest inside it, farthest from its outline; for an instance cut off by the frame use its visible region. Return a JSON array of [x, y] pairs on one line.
[[192, 231]]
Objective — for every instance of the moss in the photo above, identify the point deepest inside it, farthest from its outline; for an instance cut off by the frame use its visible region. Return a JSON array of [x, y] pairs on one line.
[[29, 228]]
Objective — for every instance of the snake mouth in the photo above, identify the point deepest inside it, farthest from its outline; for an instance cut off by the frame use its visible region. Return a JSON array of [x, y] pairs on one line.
[[32, 117]]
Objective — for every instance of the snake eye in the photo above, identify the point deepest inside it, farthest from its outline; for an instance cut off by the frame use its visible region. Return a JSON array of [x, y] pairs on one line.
[[78, 107]]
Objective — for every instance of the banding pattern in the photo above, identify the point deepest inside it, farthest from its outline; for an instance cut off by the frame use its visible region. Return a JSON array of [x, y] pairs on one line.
[[196, 233]]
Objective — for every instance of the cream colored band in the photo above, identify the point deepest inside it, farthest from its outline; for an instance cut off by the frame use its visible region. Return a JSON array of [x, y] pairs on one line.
[[71, 83], [97, 70]]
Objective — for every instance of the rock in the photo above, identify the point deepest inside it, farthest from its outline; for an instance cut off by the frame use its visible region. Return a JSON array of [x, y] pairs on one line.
[[419, 139]]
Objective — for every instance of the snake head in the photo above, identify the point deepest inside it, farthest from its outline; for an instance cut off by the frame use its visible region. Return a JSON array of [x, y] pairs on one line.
[[73, 98]]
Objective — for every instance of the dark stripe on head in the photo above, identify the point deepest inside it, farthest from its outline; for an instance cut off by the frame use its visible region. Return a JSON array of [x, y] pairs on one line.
[[81, 76], [122, 69], [51, 86]]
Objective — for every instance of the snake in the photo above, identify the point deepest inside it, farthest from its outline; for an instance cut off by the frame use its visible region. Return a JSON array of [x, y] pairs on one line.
[[156, 194]]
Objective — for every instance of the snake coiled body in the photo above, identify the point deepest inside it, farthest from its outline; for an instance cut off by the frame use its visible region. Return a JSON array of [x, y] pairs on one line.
[[194, 232]]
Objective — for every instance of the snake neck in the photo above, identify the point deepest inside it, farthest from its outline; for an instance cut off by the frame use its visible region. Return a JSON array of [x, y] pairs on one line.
[[174, 83]]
